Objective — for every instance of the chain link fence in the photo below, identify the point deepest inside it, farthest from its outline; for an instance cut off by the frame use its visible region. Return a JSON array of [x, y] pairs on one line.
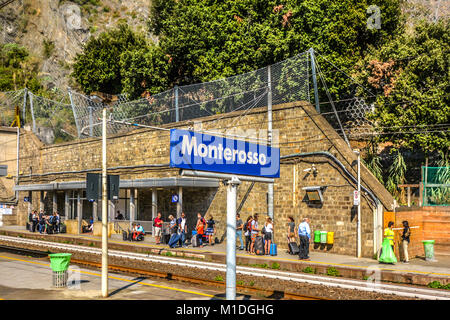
[[8, 102], [79, 116]]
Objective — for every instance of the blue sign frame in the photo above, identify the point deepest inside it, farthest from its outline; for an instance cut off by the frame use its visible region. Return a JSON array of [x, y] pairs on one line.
[[203, 152]]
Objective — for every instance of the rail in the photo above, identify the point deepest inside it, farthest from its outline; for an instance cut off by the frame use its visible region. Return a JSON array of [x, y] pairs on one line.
[[382, 288]]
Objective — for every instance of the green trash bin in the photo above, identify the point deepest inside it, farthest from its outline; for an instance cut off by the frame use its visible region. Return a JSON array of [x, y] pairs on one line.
[[323, 236], [317, 236], [59, 262], [428, 246]]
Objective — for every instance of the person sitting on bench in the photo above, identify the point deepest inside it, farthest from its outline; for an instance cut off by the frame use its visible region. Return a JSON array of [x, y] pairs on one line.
[[139, 233]]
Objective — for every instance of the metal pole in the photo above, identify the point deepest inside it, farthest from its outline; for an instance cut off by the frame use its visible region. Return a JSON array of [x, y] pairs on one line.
[[231, 238], [177, 111], [74, 112], [66, 205], [132, 207], [91, 122], [95, 210], [79, 211], [269, 135], [313, 68], [17, 163], [24, 108], [359, 205], [154, 206], [104, 212], [30, 95], [180, 201]]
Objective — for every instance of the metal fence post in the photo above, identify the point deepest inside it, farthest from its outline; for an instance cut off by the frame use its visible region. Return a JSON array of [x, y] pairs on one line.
[[75, 114], [313, 68], [177, 111], [30, 95], [24, 113]]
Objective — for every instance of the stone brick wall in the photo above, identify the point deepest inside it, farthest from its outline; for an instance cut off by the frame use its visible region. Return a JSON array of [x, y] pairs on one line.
[[300, 130]]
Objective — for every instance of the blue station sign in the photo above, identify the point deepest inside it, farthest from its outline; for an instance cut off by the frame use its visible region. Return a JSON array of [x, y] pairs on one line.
[[203, 152]]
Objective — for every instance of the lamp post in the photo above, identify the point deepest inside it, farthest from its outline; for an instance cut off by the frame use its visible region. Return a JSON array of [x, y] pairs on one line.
[[104, 203], [359, 203]]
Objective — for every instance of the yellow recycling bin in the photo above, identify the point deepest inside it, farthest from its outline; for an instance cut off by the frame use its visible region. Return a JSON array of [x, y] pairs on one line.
[[330, 238]]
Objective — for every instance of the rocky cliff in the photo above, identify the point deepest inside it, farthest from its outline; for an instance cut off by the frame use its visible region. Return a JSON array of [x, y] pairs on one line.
[[54, 31]]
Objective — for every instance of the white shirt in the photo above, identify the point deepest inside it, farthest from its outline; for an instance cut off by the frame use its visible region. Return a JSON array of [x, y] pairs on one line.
[[254, 226], [269, 227], [183, 222]]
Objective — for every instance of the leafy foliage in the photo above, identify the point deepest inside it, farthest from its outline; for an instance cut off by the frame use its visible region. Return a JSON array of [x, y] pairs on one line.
[[17, 68], [397, 173], [120, 60], [411, 77], [215, 39]]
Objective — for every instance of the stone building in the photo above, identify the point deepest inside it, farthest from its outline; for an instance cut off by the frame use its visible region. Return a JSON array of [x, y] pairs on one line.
[[54, 178], [8, 158]]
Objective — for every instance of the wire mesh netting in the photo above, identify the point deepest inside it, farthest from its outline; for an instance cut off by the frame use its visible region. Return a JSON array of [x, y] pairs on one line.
[[288, 81], [436, 186], [53, 121], [75, 115], [8, 102]]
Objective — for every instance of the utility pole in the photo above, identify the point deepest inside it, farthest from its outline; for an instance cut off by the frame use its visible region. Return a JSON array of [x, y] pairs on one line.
[[104, 211], [269, 135], [359, 203], [231, 238]]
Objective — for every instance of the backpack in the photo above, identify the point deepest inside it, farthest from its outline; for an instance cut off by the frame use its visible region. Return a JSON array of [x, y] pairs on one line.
[[245, 227]]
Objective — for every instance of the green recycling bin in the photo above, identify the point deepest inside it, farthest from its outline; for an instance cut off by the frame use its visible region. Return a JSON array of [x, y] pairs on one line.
[[317, 236], [59, 262], [428, 246], [323, 236]]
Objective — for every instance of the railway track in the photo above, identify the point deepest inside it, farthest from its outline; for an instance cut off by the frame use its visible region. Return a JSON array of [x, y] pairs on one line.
[[382, 288]]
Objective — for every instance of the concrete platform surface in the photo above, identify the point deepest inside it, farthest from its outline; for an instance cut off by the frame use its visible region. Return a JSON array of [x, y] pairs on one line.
[[26, 278], [417, 265]]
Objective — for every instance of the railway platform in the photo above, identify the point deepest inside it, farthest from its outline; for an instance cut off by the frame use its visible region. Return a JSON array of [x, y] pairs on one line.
[[418, 271]]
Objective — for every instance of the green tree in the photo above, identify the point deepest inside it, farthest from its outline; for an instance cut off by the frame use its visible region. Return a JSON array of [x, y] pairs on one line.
[[411, 78], [215, 39], [17, 68], [121, 61]]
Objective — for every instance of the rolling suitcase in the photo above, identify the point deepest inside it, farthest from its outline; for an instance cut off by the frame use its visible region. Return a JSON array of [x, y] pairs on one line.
[[293, 248], [259, 246], [273, 249], [194, 240], [165, 238], [125, 235], [62, 228]]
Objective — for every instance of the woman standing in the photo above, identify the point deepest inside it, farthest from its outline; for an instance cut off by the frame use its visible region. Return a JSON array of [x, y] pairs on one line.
[[405, 240], [210, 229], [247, 229], [268, 235], [291, 230], [172, 225], [200, 228]]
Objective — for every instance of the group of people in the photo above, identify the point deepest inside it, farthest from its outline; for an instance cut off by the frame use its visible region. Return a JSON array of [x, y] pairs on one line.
[[251, 229], [405, 238], [205, 229], [44, 223]]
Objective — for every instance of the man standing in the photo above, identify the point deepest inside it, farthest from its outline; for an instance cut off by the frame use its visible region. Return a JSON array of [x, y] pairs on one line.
[[239, 227], [182, 228], [158, 223], [304, 233]]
